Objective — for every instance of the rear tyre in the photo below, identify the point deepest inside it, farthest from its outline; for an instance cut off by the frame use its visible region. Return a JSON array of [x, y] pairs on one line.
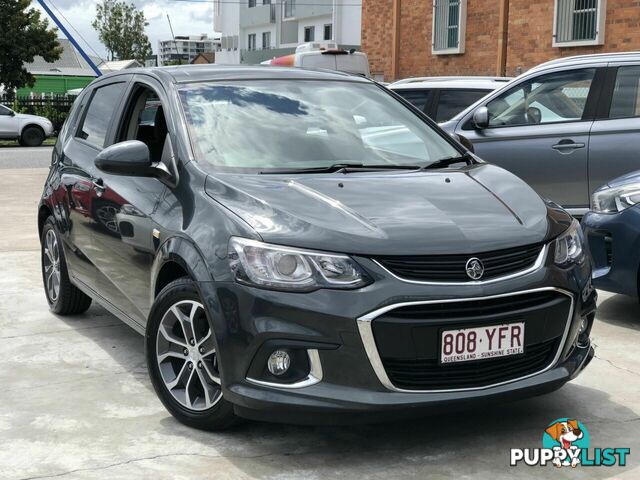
[[182, 359], [63, 297], [32, 137]]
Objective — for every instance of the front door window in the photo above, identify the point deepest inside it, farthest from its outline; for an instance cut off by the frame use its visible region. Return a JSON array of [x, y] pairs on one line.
[[551, 98]]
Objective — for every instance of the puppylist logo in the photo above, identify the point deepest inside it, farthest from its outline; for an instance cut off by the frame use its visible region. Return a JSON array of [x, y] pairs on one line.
[[565, 443]]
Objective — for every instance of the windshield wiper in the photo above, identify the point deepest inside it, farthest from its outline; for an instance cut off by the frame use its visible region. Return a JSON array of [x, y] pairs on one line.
[[445, 162], [341, 167]]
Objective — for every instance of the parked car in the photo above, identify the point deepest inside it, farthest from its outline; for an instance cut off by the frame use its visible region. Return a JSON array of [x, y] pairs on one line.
[[612, 228], [565, 127], [444, 97], [303, 247], [29, 130]]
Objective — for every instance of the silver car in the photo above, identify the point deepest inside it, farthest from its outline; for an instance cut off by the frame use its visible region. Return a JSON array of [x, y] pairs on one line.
[[443, 97], [29, 130], [566, 127]]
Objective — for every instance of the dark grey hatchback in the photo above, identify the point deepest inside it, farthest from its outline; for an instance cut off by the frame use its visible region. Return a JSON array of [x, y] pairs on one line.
[[307, 247]]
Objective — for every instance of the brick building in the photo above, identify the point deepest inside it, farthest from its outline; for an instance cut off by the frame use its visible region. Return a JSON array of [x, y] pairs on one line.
[[490, 37]]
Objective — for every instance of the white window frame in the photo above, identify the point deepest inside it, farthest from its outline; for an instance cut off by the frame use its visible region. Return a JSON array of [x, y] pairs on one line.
[[312, 30], [292, 3], [462, 30], [254, 37], [600, 25], [266, 47]]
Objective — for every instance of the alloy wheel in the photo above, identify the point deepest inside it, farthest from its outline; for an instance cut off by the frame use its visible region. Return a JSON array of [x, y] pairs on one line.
[[107, 217], [186, 356], [51, 263]]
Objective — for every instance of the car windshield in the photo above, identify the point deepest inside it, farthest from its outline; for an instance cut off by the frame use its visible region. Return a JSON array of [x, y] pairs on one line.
[[306, 124]]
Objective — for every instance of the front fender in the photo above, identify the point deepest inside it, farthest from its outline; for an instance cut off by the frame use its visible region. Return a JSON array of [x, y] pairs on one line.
[[182, 251]]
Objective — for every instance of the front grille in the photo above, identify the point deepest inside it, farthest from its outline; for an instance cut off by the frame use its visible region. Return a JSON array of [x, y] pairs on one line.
[[429, 375], [491, 307], [452, 268], [408, 339]]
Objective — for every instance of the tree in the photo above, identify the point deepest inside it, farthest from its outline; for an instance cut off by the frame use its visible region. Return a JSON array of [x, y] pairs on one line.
[[120, 27], [24, 35]]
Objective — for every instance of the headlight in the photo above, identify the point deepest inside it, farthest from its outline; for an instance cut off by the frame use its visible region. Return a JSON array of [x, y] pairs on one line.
[[615, 199], [284, 268], [569, 246]]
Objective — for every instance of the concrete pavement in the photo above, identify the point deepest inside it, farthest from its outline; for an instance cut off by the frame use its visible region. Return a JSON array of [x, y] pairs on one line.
[[76, 403]]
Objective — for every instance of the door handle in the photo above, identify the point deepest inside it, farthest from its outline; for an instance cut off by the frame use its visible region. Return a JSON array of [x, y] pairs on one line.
[[567, 145], [98, 186]]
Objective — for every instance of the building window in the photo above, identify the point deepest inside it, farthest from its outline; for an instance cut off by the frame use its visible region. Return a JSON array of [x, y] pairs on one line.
[[266, 2], [309, 34], [328, 31], [266, 40], [579, 22], [251, 43], [252, 3], [289, 8], [449, 25]]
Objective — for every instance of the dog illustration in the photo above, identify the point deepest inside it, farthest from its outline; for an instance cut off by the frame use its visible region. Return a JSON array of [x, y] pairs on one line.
[[566, 433]]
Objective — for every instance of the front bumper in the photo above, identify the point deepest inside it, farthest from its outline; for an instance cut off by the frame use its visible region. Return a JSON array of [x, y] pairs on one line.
[[351, 387], [614, 243]]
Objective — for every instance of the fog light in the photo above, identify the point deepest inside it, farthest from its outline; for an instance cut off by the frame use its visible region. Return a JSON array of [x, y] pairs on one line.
[[278, 362], [582, 339], [583, 326]]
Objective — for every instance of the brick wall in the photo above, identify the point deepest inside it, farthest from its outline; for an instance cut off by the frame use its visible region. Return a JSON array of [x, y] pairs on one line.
[[377, 35], [529, 42], [531, 30]]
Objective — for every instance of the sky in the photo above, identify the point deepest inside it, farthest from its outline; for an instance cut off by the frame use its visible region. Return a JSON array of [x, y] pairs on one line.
[[187, 18]]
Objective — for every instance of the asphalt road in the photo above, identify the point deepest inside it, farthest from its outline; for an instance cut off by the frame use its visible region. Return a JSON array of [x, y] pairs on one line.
[[76, 402], [25, 157]]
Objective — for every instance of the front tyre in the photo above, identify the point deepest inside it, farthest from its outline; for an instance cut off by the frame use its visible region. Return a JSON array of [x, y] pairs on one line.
[[63, 297], [32, 137], [182, 359]]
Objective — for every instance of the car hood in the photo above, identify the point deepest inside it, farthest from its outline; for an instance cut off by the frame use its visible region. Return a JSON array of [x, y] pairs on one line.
[[631, 177], [26, 116], [477, 209]]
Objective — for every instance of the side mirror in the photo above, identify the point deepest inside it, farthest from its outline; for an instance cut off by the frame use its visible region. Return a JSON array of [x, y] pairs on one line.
[[12, 113], [481, 117], [534, 115], [126, 158]]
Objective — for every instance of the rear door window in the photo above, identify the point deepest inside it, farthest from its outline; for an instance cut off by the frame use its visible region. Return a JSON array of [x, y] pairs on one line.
[[418, 98], [452, 102], [625, 102], [100, 112]]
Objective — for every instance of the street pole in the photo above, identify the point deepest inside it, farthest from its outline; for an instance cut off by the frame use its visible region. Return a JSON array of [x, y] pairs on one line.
[[70, 38]]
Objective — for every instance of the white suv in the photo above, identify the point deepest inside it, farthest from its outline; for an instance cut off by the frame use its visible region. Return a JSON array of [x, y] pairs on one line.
[[444, 97], [30, 130]]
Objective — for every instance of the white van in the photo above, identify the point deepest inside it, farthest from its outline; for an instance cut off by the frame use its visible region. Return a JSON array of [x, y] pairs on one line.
[[324, 55]]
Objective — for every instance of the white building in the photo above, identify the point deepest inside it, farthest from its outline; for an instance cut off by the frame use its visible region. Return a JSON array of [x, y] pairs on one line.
[[186, 48], [257, 30]]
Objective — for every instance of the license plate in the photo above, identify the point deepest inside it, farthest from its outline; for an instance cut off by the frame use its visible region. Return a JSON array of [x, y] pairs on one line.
[[481, 343]]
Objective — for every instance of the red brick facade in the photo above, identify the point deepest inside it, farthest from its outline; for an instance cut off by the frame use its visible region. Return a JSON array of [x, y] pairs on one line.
[[530, 29]]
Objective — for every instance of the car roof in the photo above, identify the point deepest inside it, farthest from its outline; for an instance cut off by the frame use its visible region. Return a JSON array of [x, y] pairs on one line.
[[481, 83], [588, 59], [207, 72]]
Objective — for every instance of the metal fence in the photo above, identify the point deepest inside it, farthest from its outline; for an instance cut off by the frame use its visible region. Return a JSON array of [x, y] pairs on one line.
[[576, 20], [54, 107]]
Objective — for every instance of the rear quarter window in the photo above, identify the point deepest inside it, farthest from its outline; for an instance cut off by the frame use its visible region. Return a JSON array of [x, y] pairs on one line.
[[452, 102]]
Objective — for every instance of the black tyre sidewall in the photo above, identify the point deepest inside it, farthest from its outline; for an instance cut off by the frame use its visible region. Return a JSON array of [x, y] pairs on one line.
[[218, 417], [32, 137], [56, 306]]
